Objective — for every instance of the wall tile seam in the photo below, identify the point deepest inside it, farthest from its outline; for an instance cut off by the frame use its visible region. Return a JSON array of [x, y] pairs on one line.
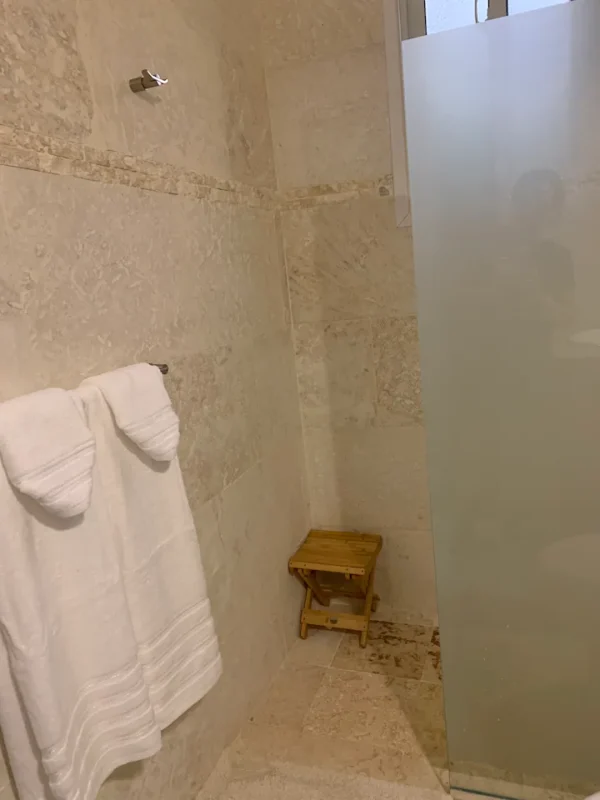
[[305, 490], [328, 321], [372, 425], [374, 372], [370, 318], [263, 454]]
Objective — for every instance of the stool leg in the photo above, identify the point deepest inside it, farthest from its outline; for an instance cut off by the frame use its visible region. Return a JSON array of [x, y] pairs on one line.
[[307, 605], [368, 606]]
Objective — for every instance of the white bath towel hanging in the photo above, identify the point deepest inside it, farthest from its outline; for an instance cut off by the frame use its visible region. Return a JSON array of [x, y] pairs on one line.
[[71, 649], [48, 451], [105, 619], [142, 409], [161, 563]]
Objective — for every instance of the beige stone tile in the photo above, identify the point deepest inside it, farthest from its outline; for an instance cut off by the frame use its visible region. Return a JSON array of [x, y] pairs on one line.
[[387, 613], [74, 62], [51, 94], [213, 396], [105, 281], [304, 29], [443, 774], [211, 116], [245, 113], [329, 119], [218, 779], [275, 407], [336, 378], [290, 696], [359, 706], [397, 370], [310, 783], [368, 479], [259, 746], [393, 649], [73, 253], [405, 576], [423, 704], [319, 648], [246, 533], [252, 650], [212, 551], [178, 770], [284, 502], [261, 516], [287, 515], [348, 260]]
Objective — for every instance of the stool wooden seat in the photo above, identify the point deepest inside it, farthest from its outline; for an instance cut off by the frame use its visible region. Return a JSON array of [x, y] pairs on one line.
[[337, 564]]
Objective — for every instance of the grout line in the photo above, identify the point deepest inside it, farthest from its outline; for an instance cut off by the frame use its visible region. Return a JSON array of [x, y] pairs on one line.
[[368, 672], [340, 320], [312, 702], [306, 490], [335, 652]]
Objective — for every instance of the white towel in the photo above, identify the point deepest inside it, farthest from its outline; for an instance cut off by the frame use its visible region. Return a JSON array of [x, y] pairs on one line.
[[71, 650], [161, 566], [142, 408], [105, 620], [48, 451]]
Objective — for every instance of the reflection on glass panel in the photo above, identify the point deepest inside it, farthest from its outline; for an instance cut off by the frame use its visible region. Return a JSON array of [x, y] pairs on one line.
[[503, 123], [517, 6]]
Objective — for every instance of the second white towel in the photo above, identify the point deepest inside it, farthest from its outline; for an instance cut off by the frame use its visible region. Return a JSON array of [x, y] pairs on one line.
[[142, 408]]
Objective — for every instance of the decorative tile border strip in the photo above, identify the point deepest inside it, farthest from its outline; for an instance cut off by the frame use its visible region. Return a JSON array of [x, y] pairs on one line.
[[58, 157], [40, 153], [310, 196]]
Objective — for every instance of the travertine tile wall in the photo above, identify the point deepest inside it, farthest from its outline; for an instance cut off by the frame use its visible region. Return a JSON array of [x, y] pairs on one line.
[[351, 282], [143, 228]]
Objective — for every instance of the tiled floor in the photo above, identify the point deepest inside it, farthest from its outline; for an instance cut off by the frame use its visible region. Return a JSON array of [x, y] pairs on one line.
[[341, 722]]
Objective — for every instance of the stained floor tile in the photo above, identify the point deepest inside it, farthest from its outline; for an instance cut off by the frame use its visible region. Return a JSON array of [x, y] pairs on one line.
[[290, 696], [424, 705], [394, 649], [432, 670]]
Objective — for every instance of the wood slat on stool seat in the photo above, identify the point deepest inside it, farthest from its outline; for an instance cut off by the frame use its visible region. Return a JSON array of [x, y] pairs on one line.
[[338, 551], [342, 553]]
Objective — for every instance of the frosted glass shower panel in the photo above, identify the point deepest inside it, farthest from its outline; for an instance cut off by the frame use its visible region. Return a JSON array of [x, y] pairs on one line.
[[503, 126]]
